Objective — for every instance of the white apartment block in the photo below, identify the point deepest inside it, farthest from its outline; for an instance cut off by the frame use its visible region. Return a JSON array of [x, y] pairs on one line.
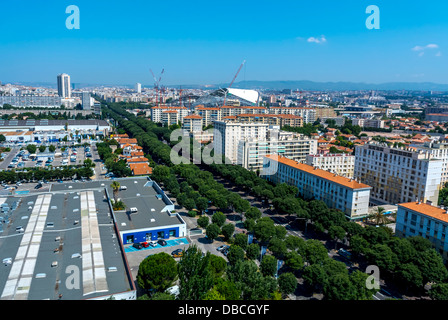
[[308, 114], [438, 151], [209, 115], [192, 123], [292, 146], [368, 123], [344, 194], [421, 219], [157, 113], [227, 111], [340, 163], [227, 136], [398, 175]]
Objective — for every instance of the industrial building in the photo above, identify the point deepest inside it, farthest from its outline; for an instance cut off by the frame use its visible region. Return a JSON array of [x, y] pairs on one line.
[[62, 245]]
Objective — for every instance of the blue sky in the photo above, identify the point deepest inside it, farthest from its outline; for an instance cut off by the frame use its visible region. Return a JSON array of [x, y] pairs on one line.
[[204, 42]]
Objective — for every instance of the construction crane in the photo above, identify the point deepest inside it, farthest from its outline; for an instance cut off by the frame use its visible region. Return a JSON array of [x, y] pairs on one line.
[[156, 85], [180, 96], [236, 75]]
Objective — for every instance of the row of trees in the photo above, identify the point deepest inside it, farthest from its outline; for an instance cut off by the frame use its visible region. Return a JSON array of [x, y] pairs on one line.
[[209, 277], [37, 174]]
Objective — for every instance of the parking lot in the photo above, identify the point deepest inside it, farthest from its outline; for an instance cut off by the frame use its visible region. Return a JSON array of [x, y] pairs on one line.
[[17, 159]]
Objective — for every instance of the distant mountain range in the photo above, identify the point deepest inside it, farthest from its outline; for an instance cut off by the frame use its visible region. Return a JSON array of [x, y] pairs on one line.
[[289, 84], [337, 86]]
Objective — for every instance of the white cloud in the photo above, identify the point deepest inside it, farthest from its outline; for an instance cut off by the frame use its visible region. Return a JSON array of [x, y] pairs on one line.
[[322, 39], [422, 49]]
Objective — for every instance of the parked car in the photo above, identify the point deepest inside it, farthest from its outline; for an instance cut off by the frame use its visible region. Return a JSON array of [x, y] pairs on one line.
[[177, 253], [38, 186], [137, 245], [152, 243], [145, 244], [162, 242], [220, 248]]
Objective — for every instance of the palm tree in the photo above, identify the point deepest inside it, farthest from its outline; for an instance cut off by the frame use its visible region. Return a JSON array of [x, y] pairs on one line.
[[378, 216], [115, 187]]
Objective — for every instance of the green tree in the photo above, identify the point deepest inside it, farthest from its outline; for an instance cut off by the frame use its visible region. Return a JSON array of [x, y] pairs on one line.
[[202, 204], [336, 233], [287, 283], [361, 292], [439, 291], [253, 285], [268, 265], [378, 216], [277, 247], [218, 265], [195, 274], [31, 148], [157, 272], [42, 148], [212, 231], [253, 213], [213, 294], [264, 229], [253, 251], [52, 148], [240, 240], [219, 218], [315, 251], [409, 276], [203, 221], [339, 287], [431, 266], [115, 185], [235, 254], [227, 231], [228, 289], [294, 260]]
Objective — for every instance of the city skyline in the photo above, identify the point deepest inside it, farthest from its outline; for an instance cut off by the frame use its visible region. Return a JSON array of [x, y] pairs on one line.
[[202, 44]]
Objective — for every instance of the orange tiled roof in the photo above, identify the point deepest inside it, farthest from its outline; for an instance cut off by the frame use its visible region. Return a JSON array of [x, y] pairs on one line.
[[137, 153], [138, 159], [426, 209], [193, 116], [140, 169], [346, 182]]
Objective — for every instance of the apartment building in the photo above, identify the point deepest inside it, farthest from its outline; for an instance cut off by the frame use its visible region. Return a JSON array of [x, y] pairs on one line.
[[347, 195], [369, 123], [398, 175], [192, 123], [236, 110], [421, 219], [272, 119], [170, 117], [228, 134], [308, 114], [209, 115], [340, 163], [158, 112], [292, 146], [438, 150]]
